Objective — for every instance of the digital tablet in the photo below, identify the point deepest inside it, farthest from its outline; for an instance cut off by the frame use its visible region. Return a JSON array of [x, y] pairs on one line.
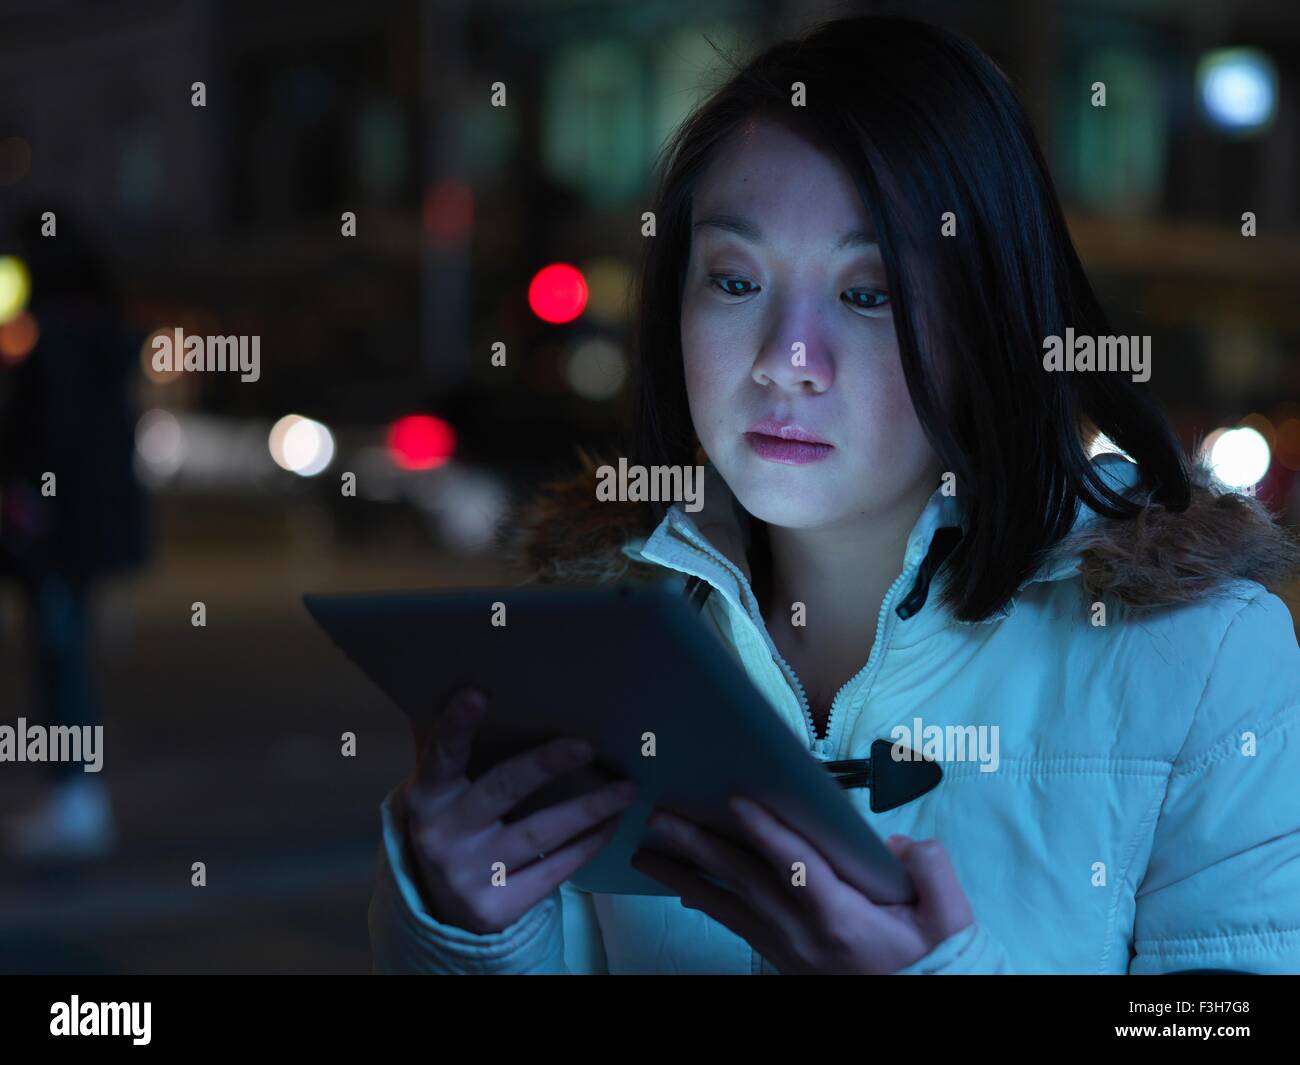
[[633, 670]]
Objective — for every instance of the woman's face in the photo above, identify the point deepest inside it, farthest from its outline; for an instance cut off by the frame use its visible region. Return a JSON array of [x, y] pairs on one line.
[[783, 254]]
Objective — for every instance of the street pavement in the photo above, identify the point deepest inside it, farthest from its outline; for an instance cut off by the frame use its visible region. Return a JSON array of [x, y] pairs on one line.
[[222, 745]]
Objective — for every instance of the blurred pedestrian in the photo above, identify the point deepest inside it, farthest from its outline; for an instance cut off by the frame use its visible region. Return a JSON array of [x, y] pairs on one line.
[[71, 509]]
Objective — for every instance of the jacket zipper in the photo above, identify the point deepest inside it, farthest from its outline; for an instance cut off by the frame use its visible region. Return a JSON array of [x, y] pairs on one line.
[[822, 746], [883, 624]]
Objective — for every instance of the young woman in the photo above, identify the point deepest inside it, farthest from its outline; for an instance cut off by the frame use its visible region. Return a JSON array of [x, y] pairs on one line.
[[860, 257]]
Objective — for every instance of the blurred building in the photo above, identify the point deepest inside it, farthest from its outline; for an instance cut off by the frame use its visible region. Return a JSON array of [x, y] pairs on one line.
[[228, 218]]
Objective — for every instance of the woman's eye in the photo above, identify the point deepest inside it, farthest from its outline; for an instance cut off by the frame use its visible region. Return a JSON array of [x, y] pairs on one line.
[[862, 298], [733, 286], [866, 298]]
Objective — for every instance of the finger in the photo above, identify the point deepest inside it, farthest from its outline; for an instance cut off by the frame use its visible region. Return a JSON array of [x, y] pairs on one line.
[[698, 893], [500, 789], [747, 875], [544, 875], [941, 903], [445, 755], [782, 846], [899, 845], [550, 829]]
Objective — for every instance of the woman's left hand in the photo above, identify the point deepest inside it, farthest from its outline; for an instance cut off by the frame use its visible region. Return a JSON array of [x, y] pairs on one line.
[[814, 922]]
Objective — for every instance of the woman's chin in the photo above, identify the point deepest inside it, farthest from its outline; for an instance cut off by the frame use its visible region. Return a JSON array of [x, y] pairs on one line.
[[785, 502]]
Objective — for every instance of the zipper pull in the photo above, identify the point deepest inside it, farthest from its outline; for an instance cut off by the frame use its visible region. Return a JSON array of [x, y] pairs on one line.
[[893, 782], [822, 748]]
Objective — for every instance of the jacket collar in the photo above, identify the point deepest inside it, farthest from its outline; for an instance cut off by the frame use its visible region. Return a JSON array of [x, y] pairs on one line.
[[684, 540]]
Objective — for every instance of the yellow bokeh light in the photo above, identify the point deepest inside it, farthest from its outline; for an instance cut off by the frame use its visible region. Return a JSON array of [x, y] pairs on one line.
[[608, 288], [15, 287]]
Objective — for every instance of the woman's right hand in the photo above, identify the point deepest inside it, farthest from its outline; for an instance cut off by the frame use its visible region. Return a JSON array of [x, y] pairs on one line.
[[456, 829]]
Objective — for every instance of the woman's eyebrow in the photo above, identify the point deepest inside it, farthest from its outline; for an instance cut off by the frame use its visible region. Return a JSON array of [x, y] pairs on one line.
[[748, 230]]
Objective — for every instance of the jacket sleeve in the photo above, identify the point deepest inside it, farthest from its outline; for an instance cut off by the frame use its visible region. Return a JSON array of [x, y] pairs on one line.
[[1222, 885], [559, 935], [972, 951]]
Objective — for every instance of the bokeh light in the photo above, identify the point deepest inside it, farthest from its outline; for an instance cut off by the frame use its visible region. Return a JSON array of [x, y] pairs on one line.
[[1287, 448], [159, 442], [608, 288], [301, 445], [1238, 88], [558, 293], [146, 358], [17, 337], [596, 369], [15, 286], [420, 442], [1239, 457], [1261, 425]]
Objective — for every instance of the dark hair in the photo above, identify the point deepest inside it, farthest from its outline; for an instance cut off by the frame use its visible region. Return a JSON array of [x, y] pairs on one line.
[[925, 123]]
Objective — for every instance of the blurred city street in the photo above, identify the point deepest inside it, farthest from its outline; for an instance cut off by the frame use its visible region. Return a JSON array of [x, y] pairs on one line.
[[222, 745], [444, 292]]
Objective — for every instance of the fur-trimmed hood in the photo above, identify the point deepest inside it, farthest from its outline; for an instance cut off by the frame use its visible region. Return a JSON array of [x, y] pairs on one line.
[[1160, 558]]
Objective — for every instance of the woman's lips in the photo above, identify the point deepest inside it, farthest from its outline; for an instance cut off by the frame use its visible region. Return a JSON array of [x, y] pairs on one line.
[[789, 452]]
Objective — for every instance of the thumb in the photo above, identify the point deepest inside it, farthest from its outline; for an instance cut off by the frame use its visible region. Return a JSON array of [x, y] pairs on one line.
[[942, 905]]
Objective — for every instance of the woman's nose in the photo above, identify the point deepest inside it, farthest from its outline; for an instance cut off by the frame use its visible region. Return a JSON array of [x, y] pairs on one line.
[[795, 358]]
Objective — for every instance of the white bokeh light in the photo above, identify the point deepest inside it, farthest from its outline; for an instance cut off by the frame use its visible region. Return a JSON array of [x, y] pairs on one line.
[[1238, 88], [160, 442], [300, 445], [1239, 457]]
